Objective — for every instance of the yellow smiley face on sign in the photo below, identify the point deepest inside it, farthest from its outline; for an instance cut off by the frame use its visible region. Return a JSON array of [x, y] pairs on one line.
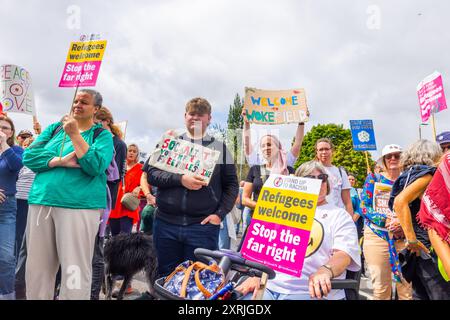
[[315, 238]]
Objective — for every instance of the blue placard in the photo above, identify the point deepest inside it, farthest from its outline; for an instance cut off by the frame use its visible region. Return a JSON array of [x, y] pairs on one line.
[[363, 135]]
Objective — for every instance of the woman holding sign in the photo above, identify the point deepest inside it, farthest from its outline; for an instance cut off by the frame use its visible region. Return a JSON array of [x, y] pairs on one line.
[[382, 232], [332, 249], [65, 200]]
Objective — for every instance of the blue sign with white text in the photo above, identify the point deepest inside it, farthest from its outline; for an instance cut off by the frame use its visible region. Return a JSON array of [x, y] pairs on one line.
[[363, 135]]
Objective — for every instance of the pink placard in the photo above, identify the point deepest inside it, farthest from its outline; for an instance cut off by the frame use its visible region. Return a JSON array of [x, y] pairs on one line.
[[431, 96], [280, 247], [82, 74]]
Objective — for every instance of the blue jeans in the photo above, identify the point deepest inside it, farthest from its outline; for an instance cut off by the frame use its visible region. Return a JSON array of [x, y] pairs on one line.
[[224, 238], [7, 238], [175, 243], [21, 223]]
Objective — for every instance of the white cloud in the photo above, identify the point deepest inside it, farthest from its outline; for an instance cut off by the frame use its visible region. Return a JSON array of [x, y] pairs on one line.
[[162, 53]]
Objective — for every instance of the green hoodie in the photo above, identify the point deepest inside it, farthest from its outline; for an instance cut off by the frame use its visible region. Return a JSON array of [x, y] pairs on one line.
[[75, 188]]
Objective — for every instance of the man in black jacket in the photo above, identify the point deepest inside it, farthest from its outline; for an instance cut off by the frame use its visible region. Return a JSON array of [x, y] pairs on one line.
[[189, 211]]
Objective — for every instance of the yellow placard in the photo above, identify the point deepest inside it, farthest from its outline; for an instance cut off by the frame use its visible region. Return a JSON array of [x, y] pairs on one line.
[[286, 207], [86, 51]]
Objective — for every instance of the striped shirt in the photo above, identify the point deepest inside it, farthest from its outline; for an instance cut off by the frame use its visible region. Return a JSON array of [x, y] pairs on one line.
[[24, 182]]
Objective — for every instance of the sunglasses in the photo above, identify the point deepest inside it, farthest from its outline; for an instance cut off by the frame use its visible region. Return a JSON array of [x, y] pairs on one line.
[[445, 148], [322, 176], [392, 155]]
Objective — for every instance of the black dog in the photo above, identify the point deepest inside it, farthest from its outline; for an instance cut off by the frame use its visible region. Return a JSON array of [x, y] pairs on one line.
[[126, 255]]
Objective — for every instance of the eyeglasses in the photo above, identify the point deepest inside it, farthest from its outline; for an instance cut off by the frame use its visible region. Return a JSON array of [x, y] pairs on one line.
[[322, 176], [5, 128], [392, 155]]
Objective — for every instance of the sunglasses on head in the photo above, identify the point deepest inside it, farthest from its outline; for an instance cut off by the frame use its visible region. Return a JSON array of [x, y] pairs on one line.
[[322, 176], [392, 155]]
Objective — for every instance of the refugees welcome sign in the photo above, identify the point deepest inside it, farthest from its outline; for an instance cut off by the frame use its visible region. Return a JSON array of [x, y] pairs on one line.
[[278, 234], [83, 64]]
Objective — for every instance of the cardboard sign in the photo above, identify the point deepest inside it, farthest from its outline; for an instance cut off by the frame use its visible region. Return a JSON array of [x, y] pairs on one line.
[[275, 106], [16, 91], [123, 127], [83, 63], [381, 195], [431, 95], [278, 234], [180, 156], [363, 135]]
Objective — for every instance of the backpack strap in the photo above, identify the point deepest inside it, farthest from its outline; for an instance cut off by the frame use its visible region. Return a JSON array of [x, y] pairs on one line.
[[97, 132]]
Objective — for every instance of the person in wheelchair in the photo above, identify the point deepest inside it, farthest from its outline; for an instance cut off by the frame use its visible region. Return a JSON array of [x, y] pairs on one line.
[[332, 249]]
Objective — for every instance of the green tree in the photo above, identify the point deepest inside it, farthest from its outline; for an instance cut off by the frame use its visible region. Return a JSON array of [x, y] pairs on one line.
[[344, 155], [235, 123]]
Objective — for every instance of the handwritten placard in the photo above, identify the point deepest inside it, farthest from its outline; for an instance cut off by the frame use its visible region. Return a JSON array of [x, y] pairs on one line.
[[180, 156], [275, 106], [16, 90]]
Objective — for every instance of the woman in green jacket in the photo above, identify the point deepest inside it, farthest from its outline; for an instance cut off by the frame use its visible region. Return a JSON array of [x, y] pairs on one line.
[[65, 200]]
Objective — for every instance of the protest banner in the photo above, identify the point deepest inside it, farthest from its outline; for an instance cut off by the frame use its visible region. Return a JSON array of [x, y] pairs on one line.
[[83, 63], [16, 90], [363, 135], [279, 231], [431, 96], [180, 156], [381, 195], [275, 106]]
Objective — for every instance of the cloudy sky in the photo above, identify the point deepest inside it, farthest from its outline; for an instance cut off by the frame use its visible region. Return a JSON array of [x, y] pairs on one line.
[[356, 59]]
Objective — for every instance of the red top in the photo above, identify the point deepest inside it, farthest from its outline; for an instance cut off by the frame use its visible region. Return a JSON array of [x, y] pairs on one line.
[[132, 180]]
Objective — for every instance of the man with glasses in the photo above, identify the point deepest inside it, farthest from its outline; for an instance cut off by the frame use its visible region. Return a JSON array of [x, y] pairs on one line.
[[444, 141]]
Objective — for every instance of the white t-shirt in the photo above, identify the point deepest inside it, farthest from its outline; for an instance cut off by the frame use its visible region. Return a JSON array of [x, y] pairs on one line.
[[337, 184], [333, 229], [256, 159]]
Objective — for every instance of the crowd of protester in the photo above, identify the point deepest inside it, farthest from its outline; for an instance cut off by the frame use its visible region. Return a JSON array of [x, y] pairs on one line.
[[66, 189]]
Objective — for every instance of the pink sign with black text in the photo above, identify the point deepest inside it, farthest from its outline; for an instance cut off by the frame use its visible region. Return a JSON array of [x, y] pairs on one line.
[[431, 96]]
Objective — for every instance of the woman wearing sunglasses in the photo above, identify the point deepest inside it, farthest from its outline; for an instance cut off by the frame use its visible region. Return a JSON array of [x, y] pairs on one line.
[[340, 186], [382, 234], [333, 249]]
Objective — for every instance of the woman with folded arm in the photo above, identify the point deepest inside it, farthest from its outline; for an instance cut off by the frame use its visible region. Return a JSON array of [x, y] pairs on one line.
[[66, 199]]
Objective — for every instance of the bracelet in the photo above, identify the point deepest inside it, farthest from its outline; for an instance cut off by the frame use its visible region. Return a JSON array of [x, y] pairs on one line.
[[328, 267], [412, 241], [301, 123]]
